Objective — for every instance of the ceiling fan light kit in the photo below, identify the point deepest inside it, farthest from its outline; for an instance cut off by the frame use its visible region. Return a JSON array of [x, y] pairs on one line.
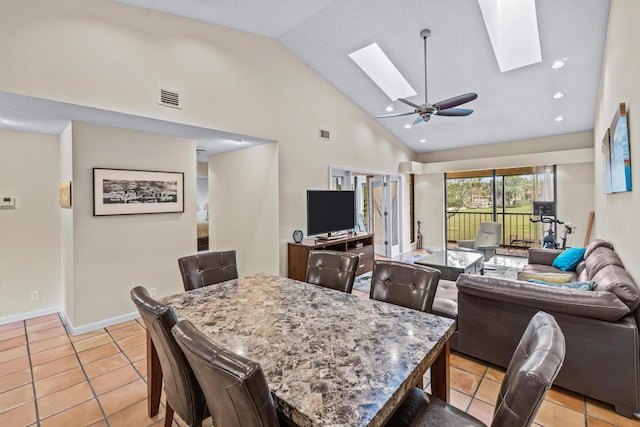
[[442, 108]]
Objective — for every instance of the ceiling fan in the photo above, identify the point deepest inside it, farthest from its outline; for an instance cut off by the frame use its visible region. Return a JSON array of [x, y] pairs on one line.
[[442, 108]]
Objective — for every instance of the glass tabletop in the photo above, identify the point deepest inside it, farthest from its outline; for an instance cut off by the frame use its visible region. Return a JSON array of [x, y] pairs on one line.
[[451, 258]]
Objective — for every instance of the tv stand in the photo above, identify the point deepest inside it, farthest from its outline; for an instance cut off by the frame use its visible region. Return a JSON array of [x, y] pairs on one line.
[[357, 243]]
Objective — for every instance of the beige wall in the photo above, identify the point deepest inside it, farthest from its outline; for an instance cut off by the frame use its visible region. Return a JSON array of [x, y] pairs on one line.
[[616, 214], [30, 233], [112, 254], [66, 224]]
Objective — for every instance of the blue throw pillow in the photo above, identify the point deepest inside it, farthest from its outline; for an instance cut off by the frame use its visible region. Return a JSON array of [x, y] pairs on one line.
[[581, 286], [569, 259]]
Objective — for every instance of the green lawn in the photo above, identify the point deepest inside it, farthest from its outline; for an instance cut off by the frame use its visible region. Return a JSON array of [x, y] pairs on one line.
[[464, 224]]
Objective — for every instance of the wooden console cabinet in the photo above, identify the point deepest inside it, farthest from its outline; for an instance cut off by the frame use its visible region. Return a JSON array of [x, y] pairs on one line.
[[361, 244]]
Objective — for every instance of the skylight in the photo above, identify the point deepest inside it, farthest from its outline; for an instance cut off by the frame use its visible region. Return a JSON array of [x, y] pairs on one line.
[[513, 30], [379, 68]]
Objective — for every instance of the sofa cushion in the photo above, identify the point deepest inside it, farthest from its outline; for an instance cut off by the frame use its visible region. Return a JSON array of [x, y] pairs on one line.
[[599, 258], [546, 277], [445, 302], [581, 286], [569, 259], [595, 244], [615, 279]]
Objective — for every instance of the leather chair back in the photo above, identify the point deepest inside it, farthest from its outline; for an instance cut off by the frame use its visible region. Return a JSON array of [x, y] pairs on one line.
[[531, 372], [408, 285], [182, 391], [332, 269], [235, 387], [207, 268]]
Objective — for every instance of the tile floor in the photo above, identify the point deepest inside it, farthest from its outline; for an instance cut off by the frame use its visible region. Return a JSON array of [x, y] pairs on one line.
[[50, 378]]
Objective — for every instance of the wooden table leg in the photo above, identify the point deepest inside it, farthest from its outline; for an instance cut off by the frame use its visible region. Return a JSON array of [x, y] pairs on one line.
[[154, 378], [440, 374]]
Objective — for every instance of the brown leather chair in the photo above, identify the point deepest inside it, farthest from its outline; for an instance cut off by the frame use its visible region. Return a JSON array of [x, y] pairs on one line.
[[183, 394], [533, 367], [207, 268], [332, 269], [409, 285], [235, 387]]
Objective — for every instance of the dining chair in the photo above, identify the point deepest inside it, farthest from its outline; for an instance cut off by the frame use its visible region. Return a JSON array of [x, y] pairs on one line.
[[182, 391], [532, 369], [332, 269], [234, 387], [409, 285], [207, 268]]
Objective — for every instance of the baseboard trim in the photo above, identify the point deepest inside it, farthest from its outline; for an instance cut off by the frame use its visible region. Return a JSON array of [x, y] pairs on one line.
[[29, 315], [97, 325]]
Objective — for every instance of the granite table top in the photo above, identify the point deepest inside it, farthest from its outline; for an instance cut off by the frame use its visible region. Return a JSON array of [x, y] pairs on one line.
[[330, 358]]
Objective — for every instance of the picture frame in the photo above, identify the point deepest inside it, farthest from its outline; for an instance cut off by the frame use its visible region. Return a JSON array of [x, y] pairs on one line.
[[619, 152], [134, 192], [64, 194]]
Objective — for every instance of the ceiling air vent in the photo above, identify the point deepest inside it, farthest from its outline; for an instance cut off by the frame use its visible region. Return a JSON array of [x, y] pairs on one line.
[[324, 134], [169, 98]]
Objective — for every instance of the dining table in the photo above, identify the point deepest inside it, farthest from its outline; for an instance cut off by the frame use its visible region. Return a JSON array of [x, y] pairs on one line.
[[330, 358]]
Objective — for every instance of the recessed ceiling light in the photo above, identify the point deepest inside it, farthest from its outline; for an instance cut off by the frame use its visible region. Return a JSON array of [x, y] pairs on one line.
[[558, 95], [381, 70], [389, 108], [559, 119], [558, 64], [423, 140], [513, 32], [407, 126]]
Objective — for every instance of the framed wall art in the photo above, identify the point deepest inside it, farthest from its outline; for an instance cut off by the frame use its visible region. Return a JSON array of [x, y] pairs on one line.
[[130, 192], [619, 152], [64, 194]]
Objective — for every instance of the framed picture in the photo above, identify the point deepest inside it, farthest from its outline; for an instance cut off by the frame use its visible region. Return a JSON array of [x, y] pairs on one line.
[[130, 192], [64, 194], [620, 156]]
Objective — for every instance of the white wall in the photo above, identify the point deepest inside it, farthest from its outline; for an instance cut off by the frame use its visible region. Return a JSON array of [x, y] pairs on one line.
[[66, 224], [616, 214], [30, 233], [244, 212], [112, 254]]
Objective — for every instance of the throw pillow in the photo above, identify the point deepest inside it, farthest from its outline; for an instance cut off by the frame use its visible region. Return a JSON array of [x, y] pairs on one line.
[[581, 286], [546, 277], [569, 259]]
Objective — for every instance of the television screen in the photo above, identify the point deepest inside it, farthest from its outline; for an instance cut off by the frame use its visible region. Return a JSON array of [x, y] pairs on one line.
[[544, 208], [329, 211]]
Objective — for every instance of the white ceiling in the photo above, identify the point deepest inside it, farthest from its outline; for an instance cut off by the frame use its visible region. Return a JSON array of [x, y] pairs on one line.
[[514, 105]]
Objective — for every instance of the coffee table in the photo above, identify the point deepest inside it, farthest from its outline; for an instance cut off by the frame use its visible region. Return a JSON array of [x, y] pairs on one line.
[[452, 263]]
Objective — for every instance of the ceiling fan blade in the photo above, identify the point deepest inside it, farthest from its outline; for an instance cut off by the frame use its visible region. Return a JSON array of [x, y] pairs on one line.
[[395, 115], [455, 101], [409, 103], [454, 112]]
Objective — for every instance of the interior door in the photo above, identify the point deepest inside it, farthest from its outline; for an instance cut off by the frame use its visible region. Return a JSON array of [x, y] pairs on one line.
[[386, 215]]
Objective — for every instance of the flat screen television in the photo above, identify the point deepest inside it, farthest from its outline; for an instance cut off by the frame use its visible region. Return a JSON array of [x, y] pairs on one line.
[[544, 208], [329, 211]]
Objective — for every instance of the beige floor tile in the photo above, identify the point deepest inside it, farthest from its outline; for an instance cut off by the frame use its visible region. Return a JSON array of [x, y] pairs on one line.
[[123, 397], [594, 422], [92, 342], [141, 367], [101, 423], [87, 335], [133, 322], [84, 414], [133, 341], [55, 367], [105, 365], [13, 342], [11, 333], [42, 319], [48, 343], [566, 398], [13, 353], [58, 382], [15, 379], [11, 366], [114, 379], [551, 414], [459, 400], [464, 381], [16, 397], [482, 411], [46, 334], [64, 399], [13, 325], [488, 391], [121, 333], [135, 415], [21, 416], [495, 373], [97, 353], [467, 363], [44, 325], [52, 354], [136, 353], [606, 412]]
